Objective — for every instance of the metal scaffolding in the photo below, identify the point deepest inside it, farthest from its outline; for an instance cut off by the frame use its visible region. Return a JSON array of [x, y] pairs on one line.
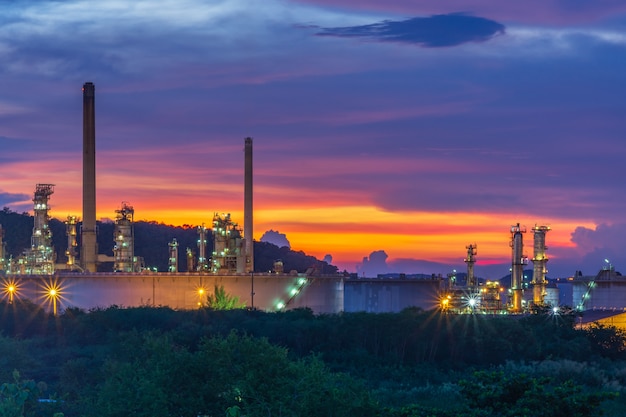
[[203, 265], [123, 251], [517, 267], [470, 260], [40, 257], [70, 252], [540, 259], [173, 257], [227, 246], [3, 260]]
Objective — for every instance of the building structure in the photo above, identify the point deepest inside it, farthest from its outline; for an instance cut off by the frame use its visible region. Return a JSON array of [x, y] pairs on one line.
[[248, 208], [70, 231], [39, 259], [540, 259], [203, 264], [124, 238], [172, 264], [89, 245], [517, 267], [228, 247], [3, 260]]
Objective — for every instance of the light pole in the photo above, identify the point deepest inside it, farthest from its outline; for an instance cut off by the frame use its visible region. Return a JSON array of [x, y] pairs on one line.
[[252, 290], [53, 294], [200, 294], [11, 291]]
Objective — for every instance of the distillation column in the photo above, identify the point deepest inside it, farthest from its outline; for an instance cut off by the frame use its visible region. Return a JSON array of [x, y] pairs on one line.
[[539, 264], [3, 261], [70, 231], [124, 248], [173, 258], [40, 258], [470, 260], [202, 263], [247, 209], [89, 248], [517, 267]]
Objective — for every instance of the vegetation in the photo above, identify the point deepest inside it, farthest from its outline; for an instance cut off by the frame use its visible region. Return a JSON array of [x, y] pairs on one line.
[[220, 300], [161, 362]]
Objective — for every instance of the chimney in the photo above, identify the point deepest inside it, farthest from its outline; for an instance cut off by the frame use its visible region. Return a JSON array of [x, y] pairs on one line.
[[89, 251], [247, 208]]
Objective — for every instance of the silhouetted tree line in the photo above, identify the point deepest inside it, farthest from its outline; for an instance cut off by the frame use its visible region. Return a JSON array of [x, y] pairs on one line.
[[161, 362], [151, 243]]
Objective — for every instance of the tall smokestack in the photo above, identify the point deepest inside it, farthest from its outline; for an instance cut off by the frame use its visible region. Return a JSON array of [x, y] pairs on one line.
[[247, 207], [89, 250]]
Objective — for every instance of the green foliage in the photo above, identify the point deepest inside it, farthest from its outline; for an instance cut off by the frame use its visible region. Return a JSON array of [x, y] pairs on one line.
[[607, 341], [516, 395], [220, 300], [243, 373], [16, 396], [158, 361]]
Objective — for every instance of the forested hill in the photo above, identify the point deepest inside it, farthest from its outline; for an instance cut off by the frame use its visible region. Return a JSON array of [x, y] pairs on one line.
[[151, 243]]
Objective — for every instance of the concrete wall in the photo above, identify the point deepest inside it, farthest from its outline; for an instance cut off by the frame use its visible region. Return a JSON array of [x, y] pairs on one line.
[[610, 294], [181, 291], [387, 295], [325, 294]]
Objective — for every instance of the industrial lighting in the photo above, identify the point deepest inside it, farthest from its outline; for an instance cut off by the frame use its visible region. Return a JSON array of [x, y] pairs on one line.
[[53, 293], [10, 290]]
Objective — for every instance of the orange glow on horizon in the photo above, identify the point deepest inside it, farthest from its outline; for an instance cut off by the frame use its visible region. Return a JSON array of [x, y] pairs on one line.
[[318, 226]]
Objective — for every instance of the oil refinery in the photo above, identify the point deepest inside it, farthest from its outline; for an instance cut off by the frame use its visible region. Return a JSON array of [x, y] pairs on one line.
[[75, 281]]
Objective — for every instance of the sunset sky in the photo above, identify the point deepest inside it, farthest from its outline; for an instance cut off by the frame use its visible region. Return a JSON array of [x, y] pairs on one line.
[[411, 127]]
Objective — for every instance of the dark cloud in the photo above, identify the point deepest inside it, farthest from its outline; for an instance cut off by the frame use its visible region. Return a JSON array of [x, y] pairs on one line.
[[434, 31], [9, 199], [373, 265], [276, 238]]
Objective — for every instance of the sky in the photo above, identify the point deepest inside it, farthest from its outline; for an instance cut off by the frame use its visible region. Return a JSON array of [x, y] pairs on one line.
[[388, 136]]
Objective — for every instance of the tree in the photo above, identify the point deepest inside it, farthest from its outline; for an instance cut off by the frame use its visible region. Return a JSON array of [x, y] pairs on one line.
[[220, 300], [15, 396], [514, 395]]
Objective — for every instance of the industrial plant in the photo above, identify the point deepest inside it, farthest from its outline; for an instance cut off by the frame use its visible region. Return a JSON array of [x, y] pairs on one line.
[[75, 281]]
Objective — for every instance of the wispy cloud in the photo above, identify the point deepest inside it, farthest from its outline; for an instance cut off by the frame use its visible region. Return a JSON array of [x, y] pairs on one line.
[[434, 31]]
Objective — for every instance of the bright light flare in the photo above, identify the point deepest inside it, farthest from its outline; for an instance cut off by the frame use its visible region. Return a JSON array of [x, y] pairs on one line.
[[10, 290], [53, 294]]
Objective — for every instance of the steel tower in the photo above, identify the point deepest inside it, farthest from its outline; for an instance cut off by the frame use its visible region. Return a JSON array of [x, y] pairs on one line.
[[3, 261], [40, 259], [540, 259], [124, 249], [470, 260], [517, 266], [202, 261], [173, 258], [70, 231]]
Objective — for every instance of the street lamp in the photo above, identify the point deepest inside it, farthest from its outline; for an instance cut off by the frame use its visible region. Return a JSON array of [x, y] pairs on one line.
[[200, 294], [53, 294], [52, 291], [10, 290]]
